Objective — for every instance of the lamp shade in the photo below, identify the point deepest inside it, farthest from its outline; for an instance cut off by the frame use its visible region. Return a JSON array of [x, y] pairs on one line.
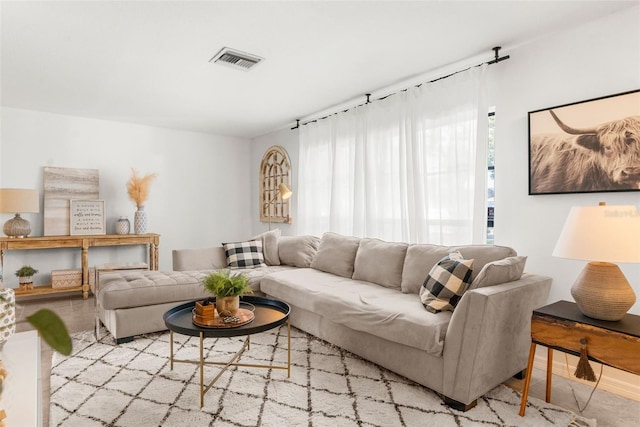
[[19, 200], [601, 233], [285, 192]]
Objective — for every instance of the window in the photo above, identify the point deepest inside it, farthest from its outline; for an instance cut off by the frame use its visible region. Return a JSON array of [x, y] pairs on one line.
[[491, 183]]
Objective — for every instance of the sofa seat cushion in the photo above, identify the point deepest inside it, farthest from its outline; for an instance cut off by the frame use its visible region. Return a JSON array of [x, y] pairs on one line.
[[136, 289], [362, 306], [141, 288]]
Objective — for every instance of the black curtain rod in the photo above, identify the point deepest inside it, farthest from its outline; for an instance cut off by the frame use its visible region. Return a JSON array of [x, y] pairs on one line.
[[497, 58]]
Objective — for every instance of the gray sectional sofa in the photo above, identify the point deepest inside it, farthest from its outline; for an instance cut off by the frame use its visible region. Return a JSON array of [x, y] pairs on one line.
[[362, 295]]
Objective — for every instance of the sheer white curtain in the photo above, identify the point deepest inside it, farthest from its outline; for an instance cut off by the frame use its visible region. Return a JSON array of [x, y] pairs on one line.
[[410, 168]]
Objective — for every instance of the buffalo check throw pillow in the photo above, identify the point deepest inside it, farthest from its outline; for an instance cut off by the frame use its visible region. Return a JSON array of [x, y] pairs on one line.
[[244, 254], [446, 283]]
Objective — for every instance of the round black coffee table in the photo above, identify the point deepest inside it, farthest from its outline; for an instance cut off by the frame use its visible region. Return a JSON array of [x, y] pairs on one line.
[[269, 314]]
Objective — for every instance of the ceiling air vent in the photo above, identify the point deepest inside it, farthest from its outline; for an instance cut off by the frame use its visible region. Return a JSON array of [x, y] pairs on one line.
[[236, 59]]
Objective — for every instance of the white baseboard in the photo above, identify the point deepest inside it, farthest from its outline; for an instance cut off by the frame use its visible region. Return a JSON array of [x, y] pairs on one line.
[[613, 380]]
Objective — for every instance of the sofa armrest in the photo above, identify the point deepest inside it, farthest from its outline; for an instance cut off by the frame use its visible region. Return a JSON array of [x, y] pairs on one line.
[[199, 259], [489, 336]]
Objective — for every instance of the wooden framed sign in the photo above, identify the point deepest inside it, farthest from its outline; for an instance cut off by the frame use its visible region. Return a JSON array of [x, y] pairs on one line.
[[86, 217]]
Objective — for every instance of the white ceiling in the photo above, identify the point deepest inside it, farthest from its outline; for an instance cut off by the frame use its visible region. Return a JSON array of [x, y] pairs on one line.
[[147, 62]]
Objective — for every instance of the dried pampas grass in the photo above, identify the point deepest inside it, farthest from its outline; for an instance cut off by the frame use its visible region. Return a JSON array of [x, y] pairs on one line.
[[138, 187]]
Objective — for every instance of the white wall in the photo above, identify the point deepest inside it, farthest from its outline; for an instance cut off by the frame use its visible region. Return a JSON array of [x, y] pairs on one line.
[[597, 59], [288, 139], [199, 198]]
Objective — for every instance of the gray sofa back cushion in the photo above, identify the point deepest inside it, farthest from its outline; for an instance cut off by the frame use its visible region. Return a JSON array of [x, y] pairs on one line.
[[336, 254], [297, 251], [483, 254], [498, 272], [199, 259], [270, 246], [419, 260], [380, 262]]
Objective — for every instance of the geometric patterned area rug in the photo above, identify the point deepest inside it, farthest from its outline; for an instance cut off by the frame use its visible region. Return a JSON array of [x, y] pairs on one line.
[[103, 384]]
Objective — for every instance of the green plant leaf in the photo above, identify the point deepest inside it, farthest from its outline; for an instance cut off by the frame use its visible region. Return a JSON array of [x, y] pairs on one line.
[[52, 329]]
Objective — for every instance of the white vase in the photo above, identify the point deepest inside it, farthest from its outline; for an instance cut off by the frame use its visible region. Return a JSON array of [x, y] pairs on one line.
[[140, 221], [123, 226]]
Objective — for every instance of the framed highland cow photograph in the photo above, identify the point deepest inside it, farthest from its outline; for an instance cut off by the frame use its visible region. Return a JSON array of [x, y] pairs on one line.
[[586, 147]]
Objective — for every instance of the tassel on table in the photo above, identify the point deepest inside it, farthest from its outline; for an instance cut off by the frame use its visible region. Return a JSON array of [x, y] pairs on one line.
[[584, 370]]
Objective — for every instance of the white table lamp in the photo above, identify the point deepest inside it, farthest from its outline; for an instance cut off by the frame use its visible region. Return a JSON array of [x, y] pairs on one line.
[[601, 235]]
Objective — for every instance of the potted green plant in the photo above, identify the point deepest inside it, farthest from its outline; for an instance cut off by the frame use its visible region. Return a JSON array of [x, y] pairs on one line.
[[227, 288], [25, 276]]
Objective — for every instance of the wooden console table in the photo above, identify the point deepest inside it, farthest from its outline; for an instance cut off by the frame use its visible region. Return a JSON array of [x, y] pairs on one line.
[[81, 242], [561, 326]]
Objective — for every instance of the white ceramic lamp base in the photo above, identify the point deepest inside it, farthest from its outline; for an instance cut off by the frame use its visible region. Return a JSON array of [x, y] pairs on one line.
[[602, 292]]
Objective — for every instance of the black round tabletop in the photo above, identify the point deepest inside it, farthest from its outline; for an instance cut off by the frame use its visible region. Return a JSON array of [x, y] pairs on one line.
[[269, 313]]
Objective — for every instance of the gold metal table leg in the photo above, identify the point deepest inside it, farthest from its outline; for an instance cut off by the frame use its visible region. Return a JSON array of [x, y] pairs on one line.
[[171, 348], [288, 349], [201, 371], [232, 362]]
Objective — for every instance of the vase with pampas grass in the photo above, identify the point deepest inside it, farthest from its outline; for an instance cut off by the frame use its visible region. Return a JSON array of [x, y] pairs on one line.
[[138, 189]]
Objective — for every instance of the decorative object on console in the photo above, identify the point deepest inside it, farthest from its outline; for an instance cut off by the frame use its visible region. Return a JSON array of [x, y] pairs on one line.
[[66, 278], [60, 186], [17, 201], [275, 169], [138, 190], [123, 226], [25, 276], [86, 217], [447, 281], [601, 235], [227, 289], [140, 221], [600, 157]]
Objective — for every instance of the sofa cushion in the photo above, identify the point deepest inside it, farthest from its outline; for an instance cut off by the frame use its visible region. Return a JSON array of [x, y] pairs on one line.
[[483, 254], [336, 254], [498, 272], [199, 259], [362, 306], [419, 260], [446, 283], [380, 262], [122, 289], [270, 246], [244, 254], [142, 288], [297, 251]]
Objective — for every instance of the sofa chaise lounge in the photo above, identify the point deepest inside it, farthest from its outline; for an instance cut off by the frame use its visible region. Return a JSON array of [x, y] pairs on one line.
[[363, 295]]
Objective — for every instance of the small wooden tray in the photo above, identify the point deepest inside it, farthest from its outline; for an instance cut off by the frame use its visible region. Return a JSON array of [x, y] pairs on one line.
[[243, 314]]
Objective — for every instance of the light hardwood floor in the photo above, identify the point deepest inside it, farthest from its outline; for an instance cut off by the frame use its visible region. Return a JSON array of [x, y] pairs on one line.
[[608, 409]]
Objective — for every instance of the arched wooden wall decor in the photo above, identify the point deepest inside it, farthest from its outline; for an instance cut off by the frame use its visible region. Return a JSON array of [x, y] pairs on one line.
[[275, 169]]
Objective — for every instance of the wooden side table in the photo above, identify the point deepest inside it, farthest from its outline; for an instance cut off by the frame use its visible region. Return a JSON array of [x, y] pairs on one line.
[[562, 325]]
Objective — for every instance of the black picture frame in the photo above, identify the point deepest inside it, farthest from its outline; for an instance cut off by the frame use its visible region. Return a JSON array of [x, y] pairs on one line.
[[593, 146]]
